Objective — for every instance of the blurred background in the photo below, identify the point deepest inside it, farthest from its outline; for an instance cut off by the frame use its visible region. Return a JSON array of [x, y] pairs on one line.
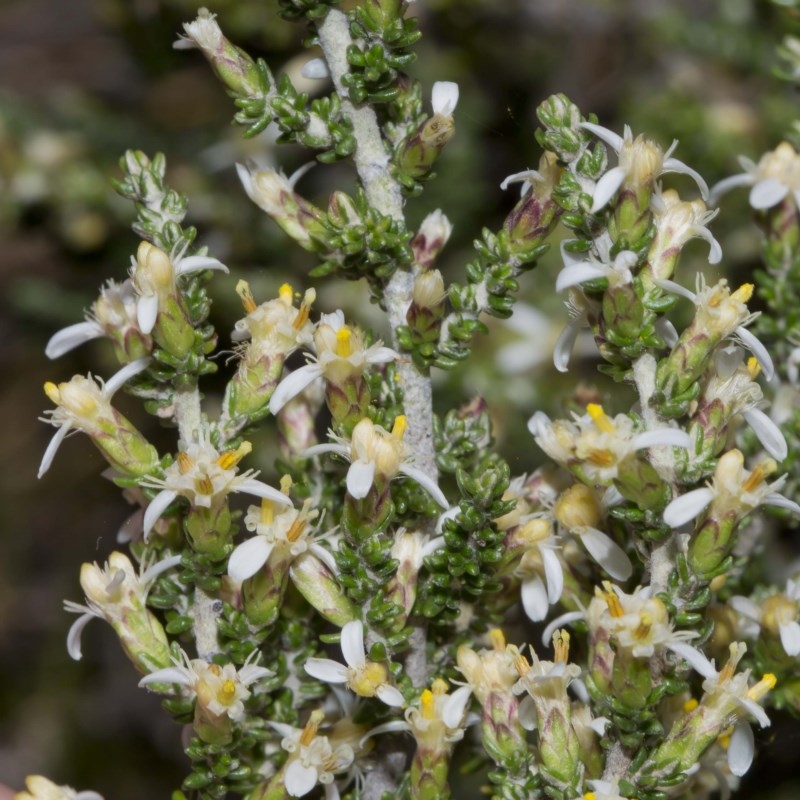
[[80, 82]]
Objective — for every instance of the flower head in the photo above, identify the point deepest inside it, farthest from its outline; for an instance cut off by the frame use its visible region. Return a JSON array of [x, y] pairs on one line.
[[365, 678], [778, 613], [375, 454], [40, 788], [579, 268], [440, 717]]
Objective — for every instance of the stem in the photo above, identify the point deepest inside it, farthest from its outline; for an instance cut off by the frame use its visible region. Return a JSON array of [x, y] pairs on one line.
[[384, 195], [187, 413]]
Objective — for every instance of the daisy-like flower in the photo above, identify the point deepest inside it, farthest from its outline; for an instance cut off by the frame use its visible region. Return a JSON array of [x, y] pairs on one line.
[[365, 678], [734, 489], [540, 568], [728, 697], [113, 315], [775, 176], [340, 355], [721, 314], [221, 691], [441, 717], [580, 268], [284, 529], [641, 161], [84, 404], [204, 476], [593, 445], [637, 623], [40, 788], [778, 613], [489, 673], [154, 276], [118, 594], [313, 758], [375, 453], [546, 681]]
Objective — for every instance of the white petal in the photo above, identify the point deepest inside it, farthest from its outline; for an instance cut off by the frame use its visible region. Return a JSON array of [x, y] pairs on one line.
[[52, 448], [315, 69], [325, 669], [741, 748], [553, 572], [353, 644], [534, 598], [746, 607], [360, 478], [767, 193], [179, 675], [444, 97], [69, 338], [768, 433], [158, 505], [599, 725], [607, 553], [260, 489], [74, 636], [525, 177], [675, 288], [87, 794], [755, 710], [754, 345], [299, 780], [455, 706], [526, 714], [673, 165], [325, 556], [790, 637], [159, 568], [390, 696], [607, 187], [292, 385], [575, 274], [147, 312], [381, 355], [197, 264], [426, 482], [696, 659], [564, 345], [687, 507], [667, 331], [320, 449], [714, 247], [246, 177], [248, 558], [726, 185], [779, 501], [662, 437], [539, 423], [122, 376], [612, 139]]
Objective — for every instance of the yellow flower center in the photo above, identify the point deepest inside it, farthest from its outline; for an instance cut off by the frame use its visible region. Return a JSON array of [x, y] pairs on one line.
[[230, 458], [426, 704], [344, 345], [227, 692], [368, 679]]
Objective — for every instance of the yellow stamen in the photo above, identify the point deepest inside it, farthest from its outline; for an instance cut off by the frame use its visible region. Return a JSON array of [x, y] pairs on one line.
[[204, 485], [230, 458], [590, 796], [766, 684], [286, 484], [753, 367], [296, 528], [439, 687], [601, 458], [52, 391], [399, 427], [497, 639], [248, 303], [267, 512], [311, 728], [521, 663], [285, 294], [612, 600], [305, 309], [561, 646], [690, 705], [603, 422], [228, 692], [426, 704], [344, 345], [743, 293], [645, 626], [724, 741], [759, 473], [185, 463]]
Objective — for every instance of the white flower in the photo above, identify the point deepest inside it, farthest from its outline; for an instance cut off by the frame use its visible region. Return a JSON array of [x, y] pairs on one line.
[[580, 267], [489, 673], [84, 404], [734, 488], [341, 354], [676, 222], [640, 161], [204, 33], [40, 788], [778, 613], [205, 476], [286, 529], [540, 568], [312, 758], [112, 593], [365, 678], [776, 175], [377, 453], [220, 690], [154, 276], [444, 98], [723, 313]]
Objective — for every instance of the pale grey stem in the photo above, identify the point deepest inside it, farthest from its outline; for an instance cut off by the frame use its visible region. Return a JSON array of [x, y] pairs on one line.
[[187, 413], [384, 195]]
